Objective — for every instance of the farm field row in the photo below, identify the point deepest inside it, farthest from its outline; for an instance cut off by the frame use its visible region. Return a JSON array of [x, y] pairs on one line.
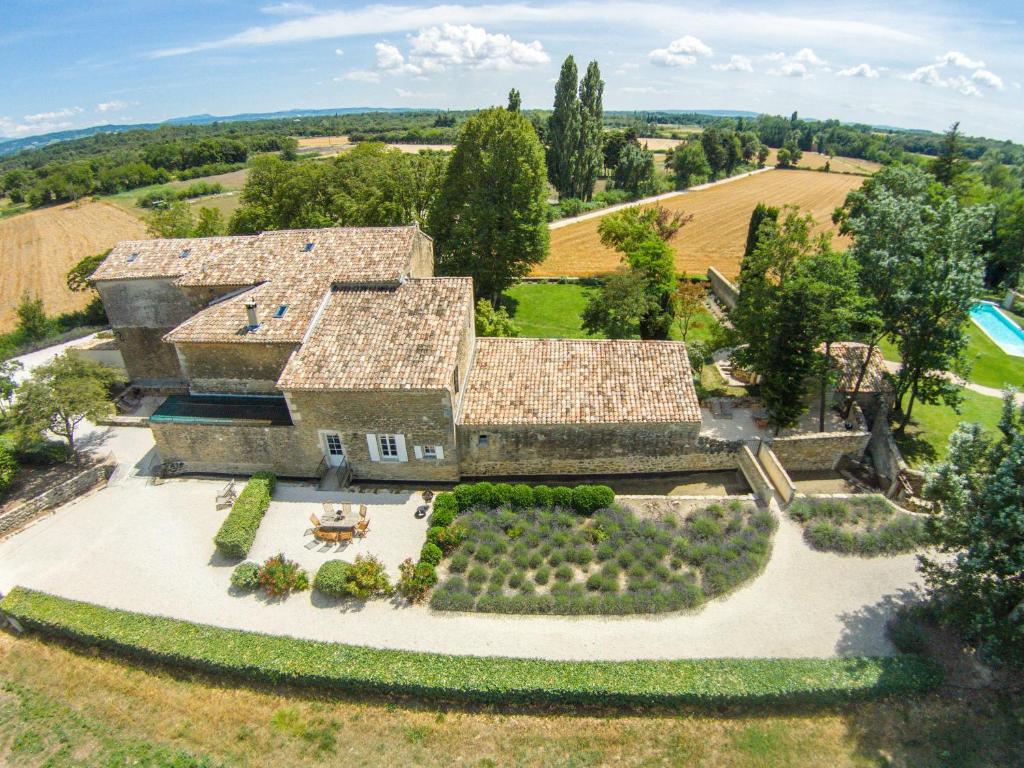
[[717, 234], [39, 247]]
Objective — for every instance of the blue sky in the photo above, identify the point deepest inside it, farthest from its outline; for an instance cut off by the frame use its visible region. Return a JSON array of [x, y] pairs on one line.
[[919, 64]]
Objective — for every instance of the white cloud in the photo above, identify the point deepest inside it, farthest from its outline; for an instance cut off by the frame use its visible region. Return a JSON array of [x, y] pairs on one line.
[[111, 106], [438, 48], [987, 78], [736, 63], [790, 69], [777, 56], [957, 59], [861, 70], [358, 76], [680, 53], [807, 56], [391, 60], [339, 52], [935, 74], [49, 117], [288, 9]]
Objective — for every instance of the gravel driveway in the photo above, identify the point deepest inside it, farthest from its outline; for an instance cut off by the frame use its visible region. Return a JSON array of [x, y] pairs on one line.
[[148, 548]]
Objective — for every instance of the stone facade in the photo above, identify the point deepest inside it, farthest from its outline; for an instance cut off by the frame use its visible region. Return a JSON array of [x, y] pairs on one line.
[[420, 417], [237, 448], [590, 449], [233, 368], [723, 288]]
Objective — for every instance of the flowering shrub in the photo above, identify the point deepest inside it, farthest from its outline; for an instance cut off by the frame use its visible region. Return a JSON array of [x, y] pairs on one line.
[[278, 576], [415, 579]]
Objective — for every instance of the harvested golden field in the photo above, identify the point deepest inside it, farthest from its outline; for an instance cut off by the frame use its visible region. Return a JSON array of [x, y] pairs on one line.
[[39, 247], [659, 145], [837, 164], [314, 142], [718, 232]]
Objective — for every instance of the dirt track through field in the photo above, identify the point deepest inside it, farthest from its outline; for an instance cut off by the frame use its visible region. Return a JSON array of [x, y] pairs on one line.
[[38, 248], [717, 234]]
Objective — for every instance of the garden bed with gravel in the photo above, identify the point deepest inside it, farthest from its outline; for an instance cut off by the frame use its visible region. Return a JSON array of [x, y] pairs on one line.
[[860, 525], [540, 559]]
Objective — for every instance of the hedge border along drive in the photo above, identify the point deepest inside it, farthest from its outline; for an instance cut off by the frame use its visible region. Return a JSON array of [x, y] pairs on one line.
[[238, 531], [356, 669]]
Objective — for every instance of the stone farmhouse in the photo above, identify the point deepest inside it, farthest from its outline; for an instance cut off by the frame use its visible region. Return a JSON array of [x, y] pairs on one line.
[[307, 351]]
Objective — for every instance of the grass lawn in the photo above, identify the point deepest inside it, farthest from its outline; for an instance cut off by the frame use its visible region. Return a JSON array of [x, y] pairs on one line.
[[62, 707], [931, 426], [990, 366], [549, 310], [553, 311]]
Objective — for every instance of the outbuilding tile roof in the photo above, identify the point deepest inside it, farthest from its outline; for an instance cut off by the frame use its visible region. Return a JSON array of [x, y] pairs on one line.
[[405, 337], [847, 359], [568, 381]]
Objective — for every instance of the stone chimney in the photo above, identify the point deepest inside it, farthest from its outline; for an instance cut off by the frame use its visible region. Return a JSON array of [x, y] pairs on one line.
[[250, 311]]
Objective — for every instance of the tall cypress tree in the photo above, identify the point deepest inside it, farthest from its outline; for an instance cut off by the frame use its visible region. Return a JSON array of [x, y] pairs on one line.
[[564, 131], [515, 101], [591, 135]]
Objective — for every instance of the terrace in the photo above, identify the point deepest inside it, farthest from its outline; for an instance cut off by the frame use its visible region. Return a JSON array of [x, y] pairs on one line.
[[255, 410]]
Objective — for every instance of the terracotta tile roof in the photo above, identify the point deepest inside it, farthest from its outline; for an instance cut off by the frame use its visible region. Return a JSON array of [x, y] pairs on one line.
[[227, 321], [848, 357], [363, 255], [565, 381], [169, 257], [389, 338]]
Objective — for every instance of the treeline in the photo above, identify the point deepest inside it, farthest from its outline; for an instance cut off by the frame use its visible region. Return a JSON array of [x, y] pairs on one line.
[[108, 164], [162, 197]]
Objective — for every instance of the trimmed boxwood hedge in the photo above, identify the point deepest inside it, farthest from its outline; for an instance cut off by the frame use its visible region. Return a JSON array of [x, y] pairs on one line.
[[585, 499], [237, 533], [277, 659]]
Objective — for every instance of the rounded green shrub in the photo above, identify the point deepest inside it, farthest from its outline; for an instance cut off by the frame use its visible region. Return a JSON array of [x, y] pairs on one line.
[[521, 496], [535, 559], [562, 497], [477, 574], [502, 494], [556, 558], [563, 573], [543, 497], [516, 579], [431, 553], [459, 562], [445, 509], [465, 496], [331, 578], [587, 499], [246, 576], [415, 580], [542, 575]]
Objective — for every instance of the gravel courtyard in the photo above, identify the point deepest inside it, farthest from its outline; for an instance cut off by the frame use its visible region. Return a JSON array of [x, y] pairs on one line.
[[148, 548]]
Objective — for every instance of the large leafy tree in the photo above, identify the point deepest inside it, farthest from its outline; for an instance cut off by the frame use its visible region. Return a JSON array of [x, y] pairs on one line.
[[616, 310], [796, 294], [635, 172], [490, 217], [61, 394], [951, 163], [690, 165], [978, 583], [641, 237]]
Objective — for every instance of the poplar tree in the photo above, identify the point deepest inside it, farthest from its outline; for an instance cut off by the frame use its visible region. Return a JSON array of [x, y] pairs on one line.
[[515, 101], [564, 131], [591, 144]]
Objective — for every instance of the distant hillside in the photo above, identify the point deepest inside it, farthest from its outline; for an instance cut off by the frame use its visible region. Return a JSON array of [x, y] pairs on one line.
[[10, 146]]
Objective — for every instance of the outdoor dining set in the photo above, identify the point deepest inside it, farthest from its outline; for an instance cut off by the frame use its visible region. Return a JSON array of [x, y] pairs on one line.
[[336, 524]]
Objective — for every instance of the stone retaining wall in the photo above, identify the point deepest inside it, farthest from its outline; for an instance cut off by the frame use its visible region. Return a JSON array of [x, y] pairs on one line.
[[57, 495], [723, 288], [755, 475], [819, 451], [776, 472]]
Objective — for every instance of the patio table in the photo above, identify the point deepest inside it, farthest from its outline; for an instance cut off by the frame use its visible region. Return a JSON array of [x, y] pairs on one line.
[[336, 525]]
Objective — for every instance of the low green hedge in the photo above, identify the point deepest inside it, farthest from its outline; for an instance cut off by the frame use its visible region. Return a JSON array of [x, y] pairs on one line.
[[585, 499], [238, 531], [276, 659]]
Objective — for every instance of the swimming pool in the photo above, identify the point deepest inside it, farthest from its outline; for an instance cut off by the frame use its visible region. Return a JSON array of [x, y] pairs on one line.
[[1000, 328]]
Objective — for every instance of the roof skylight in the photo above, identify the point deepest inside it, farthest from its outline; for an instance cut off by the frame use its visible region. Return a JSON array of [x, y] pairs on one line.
[[279, 312]]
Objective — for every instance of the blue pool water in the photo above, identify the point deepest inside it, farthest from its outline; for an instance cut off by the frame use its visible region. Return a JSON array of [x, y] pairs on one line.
[[1000, 328]]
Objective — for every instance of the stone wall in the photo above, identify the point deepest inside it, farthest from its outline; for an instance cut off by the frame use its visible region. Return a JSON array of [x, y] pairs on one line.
[[141, 312], [819, 451], [57, 495], [237, 449], [590, 449], [422, 256], [422, 417], [234, 368], [755, 475], [776, 472], [723, 288]]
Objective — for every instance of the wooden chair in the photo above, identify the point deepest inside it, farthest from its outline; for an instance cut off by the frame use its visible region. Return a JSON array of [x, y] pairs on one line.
[[329, 509], [227, 496], [362, 511], [323, 535], [315, 520], [362, 527], [346, 509], [345, 535]]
